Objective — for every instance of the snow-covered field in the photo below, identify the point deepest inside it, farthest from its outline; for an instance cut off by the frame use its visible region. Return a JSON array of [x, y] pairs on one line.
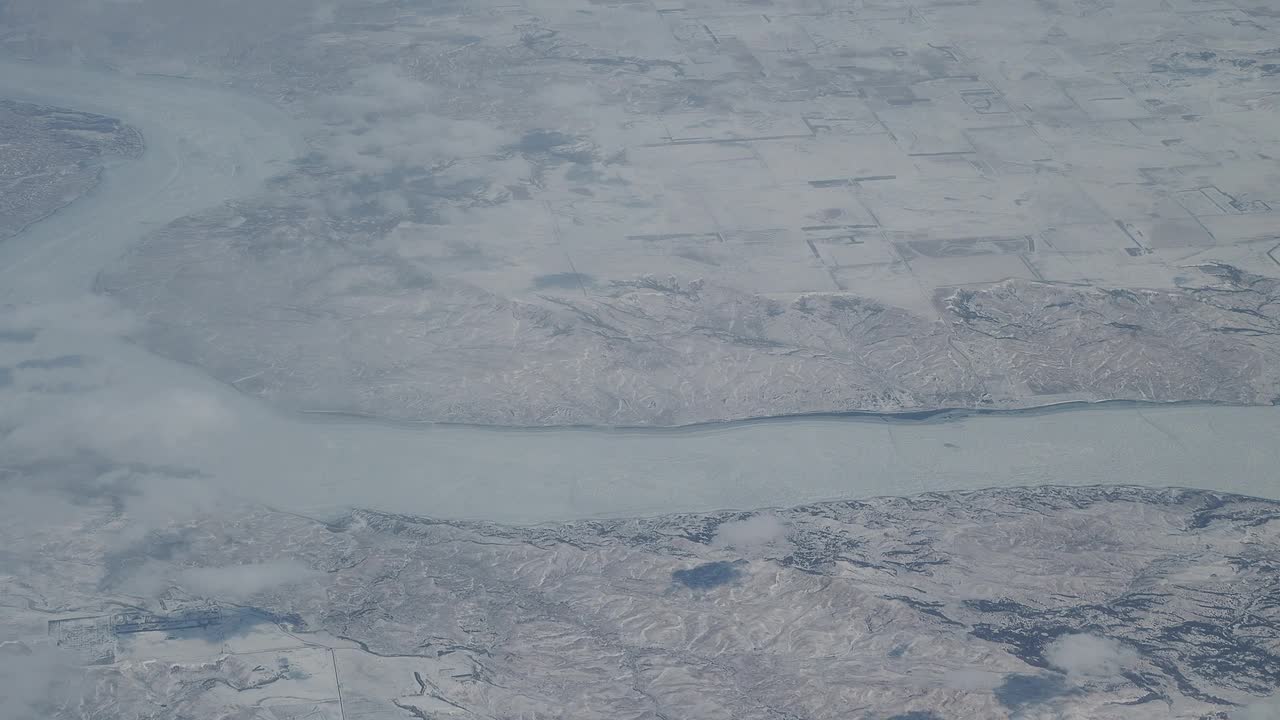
[[205, 145]]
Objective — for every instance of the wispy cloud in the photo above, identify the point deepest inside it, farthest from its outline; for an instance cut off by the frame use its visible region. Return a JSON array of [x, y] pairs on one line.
[[241, 582], [112, 425], [36, 680], [227, 583], [89, 314], [389, 121], [1268, 709]]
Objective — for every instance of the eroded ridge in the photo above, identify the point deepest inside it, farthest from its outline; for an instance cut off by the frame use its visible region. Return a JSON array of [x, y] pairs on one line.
[[1114, 602]]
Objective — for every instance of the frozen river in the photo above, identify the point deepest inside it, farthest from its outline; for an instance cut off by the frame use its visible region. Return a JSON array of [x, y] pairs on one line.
[[206, 145]]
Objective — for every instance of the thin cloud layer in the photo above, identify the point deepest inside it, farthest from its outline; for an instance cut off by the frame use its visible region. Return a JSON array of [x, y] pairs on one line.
[[111, 425], [392, 124], [241, 582], [226, 583], [1268, 709], [88, 315], [35, 680]]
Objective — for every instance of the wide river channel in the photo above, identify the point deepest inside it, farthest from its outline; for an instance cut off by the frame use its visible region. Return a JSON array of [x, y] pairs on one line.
[[207, 145]]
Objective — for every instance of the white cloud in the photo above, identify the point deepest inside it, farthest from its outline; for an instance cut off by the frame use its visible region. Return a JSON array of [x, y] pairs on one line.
[[1088, 656], [754, 533]]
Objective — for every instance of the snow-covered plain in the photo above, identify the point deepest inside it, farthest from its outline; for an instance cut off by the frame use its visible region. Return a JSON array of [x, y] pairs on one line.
[[1078, 602], [206, 145]]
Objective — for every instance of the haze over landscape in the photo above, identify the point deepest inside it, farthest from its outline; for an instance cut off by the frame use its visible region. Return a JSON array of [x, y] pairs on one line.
[[676, 358]]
